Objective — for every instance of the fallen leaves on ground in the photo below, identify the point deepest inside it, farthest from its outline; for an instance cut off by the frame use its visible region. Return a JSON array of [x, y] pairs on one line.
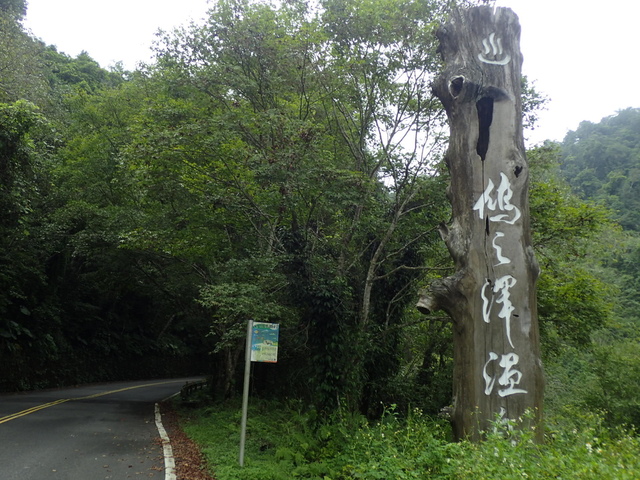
[[190, 463]]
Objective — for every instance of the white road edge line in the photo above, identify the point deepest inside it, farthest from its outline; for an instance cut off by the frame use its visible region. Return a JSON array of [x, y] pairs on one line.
[[169, 462]]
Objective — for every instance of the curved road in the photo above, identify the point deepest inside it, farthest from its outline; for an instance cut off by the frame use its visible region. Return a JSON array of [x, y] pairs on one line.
[[91, 432]]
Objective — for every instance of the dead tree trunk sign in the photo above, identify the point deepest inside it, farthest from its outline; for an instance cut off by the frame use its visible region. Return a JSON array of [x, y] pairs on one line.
[[492, 296]]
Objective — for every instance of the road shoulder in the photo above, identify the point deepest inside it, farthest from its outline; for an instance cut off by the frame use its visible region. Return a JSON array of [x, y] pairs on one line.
[[189, 461]]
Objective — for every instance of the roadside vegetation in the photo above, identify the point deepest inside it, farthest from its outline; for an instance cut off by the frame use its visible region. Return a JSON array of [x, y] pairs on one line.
[[285, 442]]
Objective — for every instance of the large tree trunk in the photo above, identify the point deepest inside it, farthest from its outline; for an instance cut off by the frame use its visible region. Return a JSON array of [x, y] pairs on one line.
[[492, 296]]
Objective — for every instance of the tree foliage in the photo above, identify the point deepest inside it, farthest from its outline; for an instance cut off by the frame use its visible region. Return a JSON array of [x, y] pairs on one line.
[[22, 75], [602, 163], [313, 139], [14, 8], [574, 299], [598, 162]]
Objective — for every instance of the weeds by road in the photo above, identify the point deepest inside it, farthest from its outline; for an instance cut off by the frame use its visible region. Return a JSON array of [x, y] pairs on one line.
[[286, 442]]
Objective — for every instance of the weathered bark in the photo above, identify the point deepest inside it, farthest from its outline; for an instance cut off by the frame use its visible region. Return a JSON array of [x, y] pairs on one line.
[[492, 296]]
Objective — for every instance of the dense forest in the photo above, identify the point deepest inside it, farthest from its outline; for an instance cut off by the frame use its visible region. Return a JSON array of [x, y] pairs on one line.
[[284, 164]]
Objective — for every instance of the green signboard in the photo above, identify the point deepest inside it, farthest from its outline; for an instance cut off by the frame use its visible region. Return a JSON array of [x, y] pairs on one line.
[[264, 342]]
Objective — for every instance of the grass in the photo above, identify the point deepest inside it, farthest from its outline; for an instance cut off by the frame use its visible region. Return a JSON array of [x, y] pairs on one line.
[[285, 442]]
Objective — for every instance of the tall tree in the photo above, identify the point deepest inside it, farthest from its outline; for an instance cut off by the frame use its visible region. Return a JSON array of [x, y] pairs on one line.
[[492, 296], [315, 132]]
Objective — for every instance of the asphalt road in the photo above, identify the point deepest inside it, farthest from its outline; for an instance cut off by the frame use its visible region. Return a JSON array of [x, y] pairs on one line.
[[91, 432]]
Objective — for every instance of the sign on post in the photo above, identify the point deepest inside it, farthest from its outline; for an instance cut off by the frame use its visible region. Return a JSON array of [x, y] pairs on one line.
[[264, 342], [261, 346]]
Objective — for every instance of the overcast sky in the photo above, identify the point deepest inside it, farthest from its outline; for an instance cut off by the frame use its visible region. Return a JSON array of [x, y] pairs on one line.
[[582, 54]]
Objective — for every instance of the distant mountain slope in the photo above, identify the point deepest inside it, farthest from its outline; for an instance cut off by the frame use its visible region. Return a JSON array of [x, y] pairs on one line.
[[602, 162]]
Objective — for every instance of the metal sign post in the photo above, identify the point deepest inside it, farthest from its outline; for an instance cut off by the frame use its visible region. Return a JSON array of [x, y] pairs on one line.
[[245, 392], [261, 346]]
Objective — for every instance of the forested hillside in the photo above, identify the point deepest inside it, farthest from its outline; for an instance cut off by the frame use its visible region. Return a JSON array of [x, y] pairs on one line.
[[74, 305], [283, 164], [602, 162]]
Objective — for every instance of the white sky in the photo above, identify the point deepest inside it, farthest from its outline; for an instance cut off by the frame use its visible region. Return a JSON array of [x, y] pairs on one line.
[[583, 54], [110, 31]]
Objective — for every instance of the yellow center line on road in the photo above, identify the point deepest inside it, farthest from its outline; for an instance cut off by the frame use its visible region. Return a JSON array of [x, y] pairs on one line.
[[95, 395], [31, 410], [13, 416]]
